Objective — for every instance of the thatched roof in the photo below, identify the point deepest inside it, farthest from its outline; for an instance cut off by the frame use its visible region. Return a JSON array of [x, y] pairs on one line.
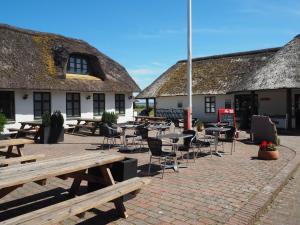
[[244, 71], [281, 71], [35, 60]]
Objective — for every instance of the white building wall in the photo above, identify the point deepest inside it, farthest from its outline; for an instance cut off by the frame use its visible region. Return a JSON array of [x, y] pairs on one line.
[[24, 107], [198, 105]]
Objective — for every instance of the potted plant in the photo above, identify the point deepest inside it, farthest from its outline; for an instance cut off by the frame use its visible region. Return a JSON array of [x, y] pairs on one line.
[[45, 129], [3, 121], [56, 127], [268, 151]]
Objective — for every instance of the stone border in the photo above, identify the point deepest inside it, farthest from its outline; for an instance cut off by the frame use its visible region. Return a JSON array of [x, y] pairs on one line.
[[256, 206]]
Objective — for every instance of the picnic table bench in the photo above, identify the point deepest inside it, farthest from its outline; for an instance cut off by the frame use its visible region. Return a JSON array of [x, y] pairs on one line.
[[33, 129], [11, 143], [21, 159], [89, 123], [76, 167]]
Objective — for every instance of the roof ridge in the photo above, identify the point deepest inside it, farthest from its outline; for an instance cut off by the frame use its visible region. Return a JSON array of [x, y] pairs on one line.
[[35, 32], [275, 49]]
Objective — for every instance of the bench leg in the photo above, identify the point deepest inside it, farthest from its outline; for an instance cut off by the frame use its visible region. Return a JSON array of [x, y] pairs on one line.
[[109, 180], [76, 184]]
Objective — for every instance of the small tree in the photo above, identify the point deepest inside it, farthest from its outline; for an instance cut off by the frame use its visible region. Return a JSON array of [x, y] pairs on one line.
[[3, 121], [109, 117]]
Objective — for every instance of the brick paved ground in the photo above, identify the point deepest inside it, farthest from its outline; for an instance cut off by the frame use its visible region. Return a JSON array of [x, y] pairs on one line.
[[209, 191], [286, 206]]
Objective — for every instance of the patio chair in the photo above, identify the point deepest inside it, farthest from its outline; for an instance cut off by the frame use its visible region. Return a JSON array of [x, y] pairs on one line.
[[157, 152], [187, 144], [230, 137], [110, 134], [141, 134]]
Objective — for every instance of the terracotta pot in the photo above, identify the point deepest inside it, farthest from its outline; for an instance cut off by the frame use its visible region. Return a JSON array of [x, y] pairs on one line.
[[268, 155]]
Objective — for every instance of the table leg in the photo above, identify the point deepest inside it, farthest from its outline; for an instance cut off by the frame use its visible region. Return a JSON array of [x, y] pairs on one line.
[[76, 183], [109, 180], [216, 144]]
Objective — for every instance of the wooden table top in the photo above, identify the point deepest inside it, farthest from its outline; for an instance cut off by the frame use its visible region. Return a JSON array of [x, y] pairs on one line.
[[14, 142], [29, 172], [151, 117], [32, 123], [89, 120]]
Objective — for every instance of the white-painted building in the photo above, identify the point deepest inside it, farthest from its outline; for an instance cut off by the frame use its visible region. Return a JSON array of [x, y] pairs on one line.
[[41, 72], [264, 82]]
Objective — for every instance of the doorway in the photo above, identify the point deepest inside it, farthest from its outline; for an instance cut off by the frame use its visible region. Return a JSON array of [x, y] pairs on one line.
[[297, 110]]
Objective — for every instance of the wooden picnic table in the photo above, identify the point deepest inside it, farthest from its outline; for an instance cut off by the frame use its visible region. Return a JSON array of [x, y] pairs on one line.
[[150, 118], [11, 143], [76, 167], [34, 128], [95, 123]]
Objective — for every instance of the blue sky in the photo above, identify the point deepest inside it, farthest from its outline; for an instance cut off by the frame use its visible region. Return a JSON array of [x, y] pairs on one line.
[[148, 36]]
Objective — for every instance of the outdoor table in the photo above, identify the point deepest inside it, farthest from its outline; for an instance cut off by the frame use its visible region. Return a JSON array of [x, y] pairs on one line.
[[96, 124], [174, 137], [10, 143], [34, 125], [216, 132], [150, 118], [160, 128], [124, 127], [217, 124], [67, 166]]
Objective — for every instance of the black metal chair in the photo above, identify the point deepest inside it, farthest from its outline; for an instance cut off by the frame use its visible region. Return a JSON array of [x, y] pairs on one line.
[[157, 152], [187, 144], [141, 134], [230, 137], [109, 134]]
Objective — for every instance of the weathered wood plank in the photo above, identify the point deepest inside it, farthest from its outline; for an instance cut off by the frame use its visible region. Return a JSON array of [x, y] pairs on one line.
[[25, 173], [58, 212], [15, 142], [22, 159]]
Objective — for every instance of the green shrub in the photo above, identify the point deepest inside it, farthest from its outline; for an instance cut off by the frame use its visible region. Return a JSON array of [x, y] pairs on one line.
[[46, 119], [109, 117], [56, 119], [3, 121]]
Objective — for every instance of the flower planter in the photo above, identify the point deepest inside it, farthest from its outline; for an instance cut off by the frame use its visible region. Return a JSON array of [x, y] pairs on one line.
[[45, 133], [268, 155]]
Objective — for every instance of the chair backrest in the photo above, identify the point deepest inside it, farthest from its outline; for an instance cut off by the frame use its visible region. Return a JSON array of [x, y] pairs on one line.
[[229, 135], [187, 141], [142, 131], [155, 146]]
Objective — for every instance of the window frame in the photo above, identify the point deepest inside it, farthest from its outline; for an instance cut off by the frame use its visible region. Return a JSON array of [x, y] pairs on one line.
[[82, 59], [42, 104], [98, 102], [211, 101], [118, 102], [72, 102], [12, 105]]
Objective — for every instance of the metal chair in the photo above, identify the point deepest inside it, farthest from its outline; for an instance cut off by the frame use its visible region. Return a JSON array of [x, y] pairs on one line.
[[187, 144], [157, 152], [110, 134]]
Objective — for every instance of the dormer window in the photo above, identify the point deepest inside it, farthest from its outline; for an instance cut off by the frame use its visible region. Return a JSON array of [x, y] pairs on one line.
[[78, 64]]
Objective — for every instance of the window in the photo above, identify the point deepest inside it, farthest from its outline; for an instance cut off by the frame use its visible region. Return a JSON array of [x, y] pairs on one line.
[[210, 104], [227, 103], [73, 104], [7, 104], [41, 104], [120, 103], [78, 64], [98, 104], [179, 104]]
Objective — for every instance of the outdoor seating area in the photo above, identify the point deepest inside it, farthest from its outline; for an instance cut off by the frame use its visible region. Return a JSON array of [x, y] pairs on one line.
[[164, 172]]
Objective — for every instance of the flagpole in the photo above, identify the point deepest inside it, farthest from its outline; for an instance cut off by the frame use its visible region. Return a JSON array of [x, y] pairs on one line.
[[189, 64]]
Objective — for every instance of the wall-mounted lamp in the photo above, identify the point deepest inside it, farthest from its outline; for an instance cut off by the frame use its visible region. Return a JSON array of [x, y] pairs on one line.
[[130, 97], [88, 97], [25, 96]]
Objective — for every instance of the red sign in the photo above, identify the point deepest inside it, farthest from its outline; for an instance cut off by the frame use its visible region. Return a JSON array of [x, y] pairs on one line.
[[227, 116]]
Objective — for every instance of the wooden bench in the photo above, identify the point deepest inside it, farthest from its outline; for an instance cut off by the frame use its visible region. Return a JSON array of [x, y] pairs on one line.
[[55, 213], [21, 159]]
